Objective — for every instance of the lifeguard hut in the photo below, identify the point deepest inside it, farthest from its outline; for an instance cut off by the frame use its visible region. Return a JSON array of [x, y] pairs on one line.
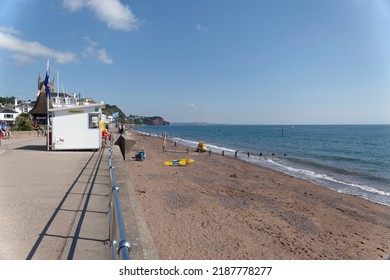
[[76, 128]]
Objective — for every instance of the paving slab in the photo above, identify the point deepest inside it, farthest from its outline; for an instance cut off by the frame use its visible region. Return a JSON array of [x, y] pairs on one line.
[[54, 204]]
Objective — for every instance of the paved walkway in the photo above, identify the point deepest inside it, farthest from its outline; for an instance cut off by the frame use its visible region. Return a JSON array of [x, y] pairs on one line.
[[54, 204]]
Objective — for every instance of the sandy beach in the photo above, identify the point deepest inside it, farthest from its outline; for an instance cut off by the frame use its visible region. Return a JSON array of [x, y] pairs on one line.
[[223, 208]]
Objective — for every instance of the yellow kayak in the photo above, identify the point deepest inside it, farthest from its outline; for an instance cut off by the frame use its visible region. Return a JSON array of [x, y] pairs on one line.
[[179, 162]]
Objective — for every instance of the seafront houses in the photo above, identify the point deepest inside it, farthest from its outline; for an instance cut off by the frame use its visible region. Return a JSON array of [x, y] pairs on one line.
[[22, 106], [9, 112], [56, 100], [73, 123], [38, 109], [8, 115], [61, 100]]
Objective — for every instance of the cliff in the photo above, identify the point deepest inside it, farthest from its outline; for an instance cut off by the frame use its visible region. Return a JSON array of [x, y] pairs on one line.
[[112, 109], [140, 120]]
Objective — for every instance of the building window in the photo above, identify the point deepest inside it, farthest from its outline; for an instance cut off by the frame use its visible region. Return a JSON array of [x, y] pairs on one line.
[[93, 120], [8, 116]]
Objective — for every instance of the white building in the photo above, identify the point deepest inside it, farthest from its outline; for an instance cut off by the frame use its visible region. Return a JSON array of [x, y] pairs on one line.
[[23, 107], [8, 115], [76, 128]]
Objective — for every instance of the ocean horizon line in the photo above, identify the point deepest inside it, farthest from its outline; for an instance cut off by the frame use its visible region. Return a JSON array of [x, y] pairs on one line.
[[292, 124], [351, 159]]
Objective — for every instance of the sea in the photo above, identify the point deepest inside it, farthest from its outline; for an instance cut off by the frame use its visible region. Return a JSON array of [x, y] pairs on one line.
[[350, 159]]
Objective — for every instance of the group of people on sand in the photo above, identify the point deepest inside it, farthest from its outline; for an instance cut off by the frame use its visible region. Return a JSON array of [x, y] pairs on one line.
[[4, 131]]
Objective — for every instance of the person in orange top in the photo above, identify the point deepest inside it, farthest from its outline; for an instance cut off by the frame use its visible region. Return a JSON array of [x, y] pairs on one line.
[[105, 136]]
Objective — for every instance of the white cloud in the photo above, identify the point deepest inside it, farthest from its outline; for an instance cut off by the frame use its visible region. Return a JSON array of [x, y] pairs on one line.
[[193, 106], [91, 51], [112, 12], [21, 58], [74, 5], [201, 28], [103, 56], [26, 50], [9, 30]]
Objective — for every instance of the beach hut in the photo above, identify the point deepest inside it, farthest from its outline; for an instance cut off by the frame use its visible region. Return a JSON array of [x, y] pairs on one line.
[[76, 128]]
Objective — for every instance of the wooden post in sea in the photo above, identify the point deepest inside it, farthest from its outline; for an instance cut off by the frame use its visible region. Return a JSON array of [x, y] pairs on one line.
[[235, 154], [248, 154], [223, 153], [209, 152]]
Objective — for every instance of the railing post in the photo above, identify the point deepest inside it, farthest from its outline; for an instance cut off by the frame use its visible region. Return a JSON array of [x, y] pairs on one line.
[[119, 245]]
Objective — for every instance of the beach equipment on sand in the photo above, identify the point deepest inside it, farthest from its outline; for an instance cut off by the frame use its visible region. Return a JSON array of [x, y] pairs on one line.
[[179, 162], [201, 147], [140, 156]]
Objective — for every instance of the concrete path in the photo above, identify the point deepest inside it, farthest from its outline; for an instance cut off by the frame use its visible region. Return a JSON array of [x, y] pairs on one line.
[[54, 204]]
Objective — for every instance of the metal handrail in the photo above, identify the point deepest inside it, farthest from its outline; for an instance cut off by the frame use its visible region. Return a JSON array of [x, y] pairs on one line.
[[120, 246]]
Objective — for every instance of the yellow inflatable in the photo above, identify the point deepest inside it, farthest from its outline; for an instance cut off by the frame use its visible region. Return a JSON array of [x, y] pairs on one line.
[[180, 162], [201, 147]]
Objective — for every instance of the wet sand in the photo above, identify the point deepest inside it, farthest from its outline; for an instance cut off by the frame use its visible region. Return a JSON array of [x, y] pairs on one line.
[[223, 208]]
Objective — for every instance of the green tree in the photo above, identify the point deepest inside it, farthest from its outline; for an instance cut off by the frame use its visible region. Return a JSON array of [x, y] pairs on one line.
[[111, 109], [23, 122], [6, 100]]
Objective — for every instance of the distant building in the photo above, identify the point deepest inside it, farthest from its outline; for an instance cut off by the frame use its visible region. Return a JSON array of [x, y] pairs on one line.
[[8, 115], [23, 107], [61, 100], [57, 100], [39, 111]]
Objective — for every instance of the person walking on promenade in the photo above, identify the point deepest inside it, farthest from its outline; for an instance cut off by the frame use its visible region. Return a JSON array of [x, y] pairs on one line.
[[105, 135]]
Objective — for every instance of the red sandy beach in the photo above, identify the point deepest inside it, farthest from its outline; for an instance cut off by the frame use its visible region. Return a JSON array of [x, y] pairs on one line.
[[223, 208]]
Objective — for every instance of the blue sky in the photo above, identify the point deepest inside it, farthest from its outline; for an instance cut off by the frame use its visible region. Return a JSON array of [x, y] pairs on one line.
[[219, 61]]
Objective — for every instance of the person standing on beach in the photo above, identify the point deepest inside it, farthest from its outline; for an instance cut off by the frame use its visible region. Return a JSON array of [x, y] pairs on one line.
[[164, 142]]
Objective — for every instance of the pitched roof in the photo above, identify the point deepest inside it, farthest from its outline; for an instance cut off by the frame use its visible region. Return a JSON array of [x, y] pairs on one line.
[[40, 107], [8, 111]]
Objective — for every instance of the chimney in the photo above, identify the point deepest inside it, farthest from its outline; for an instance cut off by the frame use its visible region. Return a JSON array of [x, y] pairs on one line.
[[16, 101]]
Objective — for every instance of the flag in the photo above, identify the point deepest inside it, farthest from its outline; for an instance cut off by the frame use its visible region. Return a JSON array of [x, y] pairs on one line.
[[46, 82], [47, 89]]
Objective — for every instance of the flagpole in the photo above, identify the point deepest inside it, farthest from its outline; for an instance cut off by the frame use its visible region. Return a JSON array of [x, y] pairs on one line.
[[47, 123], [47, 91]]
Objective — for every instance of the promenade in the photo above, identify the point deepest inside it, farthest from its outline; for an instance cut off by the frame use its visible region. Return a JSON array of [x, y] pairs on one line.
[[54, 204]]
